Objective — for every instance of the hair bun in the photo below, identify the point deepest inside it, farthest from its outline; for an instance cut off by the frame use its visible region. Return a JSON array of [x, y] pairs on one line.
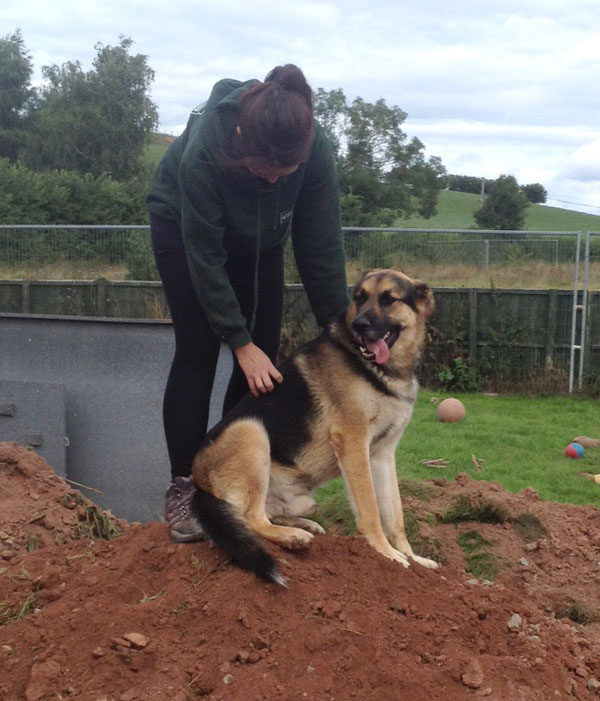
[[289, 77]]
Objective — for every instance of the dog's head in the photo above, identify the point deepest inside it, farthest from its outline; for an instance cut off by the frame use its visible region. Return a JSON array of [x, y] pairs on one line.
[[386, 317]]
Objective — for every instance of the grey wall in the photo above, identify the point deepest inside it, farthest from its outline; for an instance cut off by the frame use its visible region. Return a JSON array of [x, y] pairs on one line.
[[113, 374], [33, 414]]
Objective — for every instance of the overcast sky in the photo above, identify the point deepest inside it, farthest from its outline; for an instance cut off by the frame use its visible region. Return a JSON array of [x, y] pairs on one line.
[[496, 87]]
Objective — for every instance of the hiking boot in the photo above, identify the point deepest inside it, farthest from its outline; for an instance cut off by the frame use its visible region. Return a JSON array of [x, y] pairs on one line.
[[184, 527]]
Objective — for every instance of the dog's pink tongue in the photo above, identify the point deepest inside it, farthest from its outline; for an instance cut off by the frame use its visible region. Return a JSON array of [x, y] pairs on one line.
[[379, 349]]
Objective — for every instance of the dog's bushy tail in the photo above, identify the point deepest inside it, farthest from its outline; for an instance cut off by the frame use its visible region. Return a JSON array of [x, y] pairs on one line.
[[230, 534]]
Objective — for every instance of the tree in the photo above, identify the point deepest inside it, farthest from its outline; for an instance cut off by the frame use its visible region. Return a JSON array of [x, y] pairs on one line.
[[468, 183], [536, 193], [99, 121], [504, 206], [383, 175], [15, 93]]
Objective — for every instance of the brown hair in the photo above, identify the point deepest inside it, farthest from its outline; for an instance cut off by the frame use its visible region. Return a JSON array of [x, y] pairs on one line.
[[276, 119]]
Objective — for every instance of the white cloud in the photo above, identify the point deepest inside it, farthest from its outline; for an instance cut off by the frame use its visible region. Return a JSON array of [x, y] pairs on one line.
[[584, 164]]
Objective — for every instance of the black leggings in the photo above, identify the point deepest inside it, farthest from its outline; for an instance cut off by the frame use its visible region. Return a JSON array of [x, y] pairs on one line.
[[189, 385]]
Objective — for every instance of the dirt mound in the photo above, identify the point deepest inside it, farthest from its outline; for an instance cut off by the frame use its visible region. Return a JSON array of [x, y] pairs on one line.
[[138, 617]]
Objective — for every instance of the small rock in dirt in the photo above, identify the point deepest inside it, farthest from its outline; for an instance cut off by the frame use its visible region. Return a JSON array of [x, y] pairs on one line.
[[129, 695], [399, 608], [241, 656], [117, 643], [42, 676], [531, 494], [593, 685], [260, 643], [137, 640], [244, 620], [570, 687], [532, 547], [473, 675], [524, 561], [514, 622]]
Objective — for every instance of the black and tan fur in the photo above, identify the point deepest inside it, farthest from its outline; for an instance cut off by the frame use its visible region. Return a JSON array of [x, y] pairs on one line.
[[340, 409]]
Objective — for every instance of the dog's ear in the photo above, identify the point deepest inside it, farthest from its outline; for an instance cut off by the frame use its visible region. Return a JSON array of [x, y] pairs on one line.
[[424, 299]]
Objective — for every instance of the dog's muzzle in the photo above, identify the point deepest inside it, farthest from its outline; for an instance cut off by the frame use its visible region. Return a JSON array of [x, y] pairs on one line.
[[374, 344]]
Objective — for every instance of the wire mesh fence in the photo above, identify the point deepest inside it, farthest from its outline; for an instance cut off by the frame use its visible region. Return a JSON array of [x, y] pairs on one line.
[[469, 258], [76, 252], [465, 258]]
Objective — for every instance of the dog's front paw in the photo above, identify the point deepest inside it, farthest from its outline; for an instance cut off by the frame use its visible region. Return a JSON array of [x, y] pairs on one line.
[[298, 540], [312, 526], [426, 562], [396, 556]]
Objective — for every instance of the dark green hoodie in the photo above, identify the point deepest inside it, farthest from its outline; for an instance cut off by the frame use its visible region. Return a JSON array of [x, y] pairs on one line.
[[224, 210]]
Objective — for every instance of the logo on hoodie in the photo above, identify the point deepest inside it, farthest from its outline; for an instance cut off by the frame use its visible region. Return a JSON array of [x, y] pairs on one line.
[[285, 217]]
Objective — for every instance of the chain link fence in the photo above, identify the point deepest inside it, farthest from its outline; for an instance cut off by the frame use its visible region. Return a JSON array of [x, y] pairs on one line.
[[465, 258], [71, 252]]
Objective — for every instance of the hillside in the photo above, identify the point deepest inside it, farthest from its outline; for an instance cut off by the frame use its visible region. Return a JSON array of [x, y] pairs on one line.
[[158, 145], [456, 210]]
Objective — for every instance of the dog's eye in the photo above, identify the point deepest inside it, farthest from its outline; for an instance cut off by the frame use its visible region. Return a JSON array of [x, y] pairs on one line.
[[387, 300], [360, 297]]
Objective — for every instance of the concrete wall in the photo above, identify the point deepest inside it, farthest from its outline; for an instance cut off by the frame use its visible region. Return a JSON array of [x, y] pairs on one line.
[[113, 373]]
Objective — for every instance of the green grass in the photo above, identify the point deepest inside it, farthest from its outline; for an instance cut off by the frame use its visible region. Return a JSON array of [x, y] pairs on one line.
[[456, 210], [97, 524], [155, 150], [12, 614], [520, 442], [463, 510]]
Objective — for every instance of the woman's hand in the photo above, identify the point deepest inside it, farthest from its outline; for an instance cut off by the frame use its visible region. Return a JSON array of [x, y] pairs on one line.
[[258, 369]]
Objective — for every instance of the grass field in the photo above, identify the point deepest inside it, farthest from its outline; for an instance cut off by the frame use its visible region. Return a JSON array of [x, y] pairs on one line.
[[63, 270], [528, 275], [519, 441], [456, 210], [158, 145]]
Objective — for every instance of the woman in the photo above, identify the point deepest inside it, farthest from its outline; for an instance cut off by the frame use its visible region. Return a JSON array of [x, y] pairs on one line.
[[251, 166]]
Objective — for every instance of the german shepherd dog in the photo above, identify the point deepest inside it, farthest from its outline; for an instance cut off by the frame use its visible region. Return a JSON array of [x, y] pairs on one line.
[[344, 403]]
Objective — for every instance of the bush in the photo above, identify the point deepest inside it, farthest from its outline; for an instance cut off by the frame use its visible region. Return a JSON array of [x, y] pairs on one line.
[[139, 258], [65, 197]]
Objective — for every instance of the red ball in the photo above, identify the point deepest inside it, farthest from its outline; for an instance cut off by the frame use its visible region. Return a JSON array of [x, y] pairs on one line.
[[451, 410], [574, 450]]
